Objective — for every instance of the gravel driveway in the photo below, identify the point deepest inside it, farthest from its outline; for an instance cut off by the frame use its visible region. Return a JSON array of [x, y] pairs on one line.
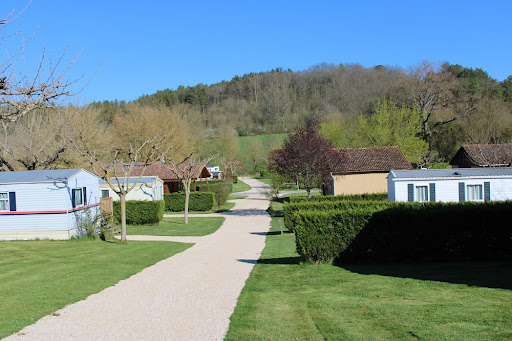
[[189, 296]]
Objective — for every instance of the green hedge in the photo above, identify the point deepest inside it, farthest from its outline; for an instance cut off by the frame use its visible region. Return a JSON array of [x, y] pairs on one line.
[[198, 201], [405, 231], [290, 208], [213, 184], [365, 196], [140, 212]]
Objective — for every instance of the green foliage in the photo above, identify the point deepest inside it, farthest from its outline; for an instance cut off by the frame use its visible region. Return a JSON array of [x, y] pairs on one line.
[[405, 231], [140, 211], [364, 196], [222, 190], [212, 185], [392, 124], [289, 209], [198, 201]]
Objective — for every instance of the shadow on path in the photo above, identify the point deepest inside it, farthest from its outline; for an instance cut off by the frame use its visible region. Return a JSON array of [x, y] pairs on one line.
[[283, 260]]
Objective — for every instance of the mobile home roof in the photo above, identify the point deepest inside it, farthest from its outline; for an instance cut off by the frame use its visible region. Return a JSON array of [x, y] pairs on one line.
[[59, 175]]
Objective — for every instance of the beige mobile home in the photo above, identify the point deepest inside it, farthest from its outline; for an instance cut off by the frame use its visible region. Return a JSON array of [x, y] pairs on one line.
[[148, 188]]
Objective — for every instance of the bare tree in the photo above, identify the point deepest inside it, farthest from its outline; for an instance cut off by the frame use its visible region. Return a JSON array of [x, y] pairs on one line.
[[186, 171], [113, 158]]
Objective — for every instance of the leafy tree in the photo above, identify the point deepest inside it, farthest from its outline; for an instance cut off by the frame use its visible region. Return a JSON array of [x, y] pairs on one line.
[[392, 124], [306, 156]]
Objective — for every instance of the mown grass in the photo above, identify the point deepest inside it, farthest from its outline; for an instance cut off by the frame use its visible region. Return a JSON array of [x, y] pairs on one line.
[[196, 226], [215, 209], [40, 277], [240, 186], [285, 299]]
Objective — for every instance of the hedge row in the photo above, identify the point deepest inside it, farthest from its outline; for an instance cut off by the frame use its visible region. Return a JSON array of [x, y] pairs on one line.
[[198, 201], [407, 231], [213, 184], [365, 196], [140, 212], [290, 208]]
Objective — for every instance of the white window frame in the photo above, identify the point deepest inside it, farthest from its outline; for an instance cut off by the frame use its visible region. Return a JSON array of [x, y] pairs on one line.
[[418, 192], [472, 192], [6, 200], [81, 197]]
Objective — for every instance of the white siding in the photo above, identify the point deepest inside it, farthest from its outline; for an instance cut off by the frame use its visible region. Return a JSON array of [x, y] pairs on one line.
[[151, 191], [447, 190], [47, 196]]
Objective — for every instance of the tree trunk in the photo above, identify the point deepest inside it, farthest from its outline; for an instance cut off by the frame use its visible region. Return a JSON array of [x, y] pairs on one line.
[[123, 218], [187, 196]]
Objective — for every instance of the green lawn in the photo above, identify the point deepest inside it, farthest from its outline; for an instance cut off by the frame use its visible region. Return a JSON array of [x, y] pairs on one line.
[[240, 186], [40, 277], [285, 299], [216, 209], [177, 227]]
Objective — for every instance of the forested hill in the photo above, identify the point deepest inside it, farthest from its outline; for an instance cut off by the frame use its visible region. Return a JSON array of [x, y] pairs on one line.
[[279, 100]]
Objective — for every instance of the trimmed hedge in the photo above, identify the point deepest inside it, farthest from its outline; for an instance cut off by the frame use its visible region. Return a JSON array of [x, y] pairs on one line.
[[365, 196], [198, 201], [405, 231], [290, 208], [140, 211]]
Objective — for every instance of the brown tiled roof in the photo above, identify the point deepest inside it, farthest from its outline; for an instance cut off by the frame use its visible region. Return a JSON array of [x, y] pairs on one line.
[[164, 173], [370, 159], [483, 155]]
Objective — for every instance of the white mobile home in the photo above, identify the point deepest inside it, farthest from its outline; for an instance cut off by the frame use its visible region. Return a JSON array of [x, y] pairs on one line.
[[148, 188], [46, 204], [450, 185]]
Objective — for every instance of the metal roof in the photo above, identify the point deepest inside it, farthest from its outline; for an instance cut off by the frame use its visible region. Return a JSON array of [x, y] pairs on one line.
[[132, 180], [451, 173], [59, 175]]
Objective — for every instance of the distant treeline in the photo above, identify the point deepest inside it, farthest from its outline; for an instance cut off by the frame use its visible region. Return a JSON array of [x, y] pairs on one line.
[[279, 100]]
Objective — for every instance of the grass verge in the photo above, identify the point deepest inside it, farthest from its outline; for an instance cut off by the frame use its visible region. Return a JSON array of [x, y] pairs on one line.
[[285, 299], [240, 186], [216, 209], [176, 227], [40, 277]]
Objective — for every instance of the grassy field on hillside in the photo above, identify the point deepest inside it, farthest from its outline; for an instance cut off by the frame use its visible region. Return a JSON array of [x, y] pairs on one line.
[[39, 277], [285, 299]]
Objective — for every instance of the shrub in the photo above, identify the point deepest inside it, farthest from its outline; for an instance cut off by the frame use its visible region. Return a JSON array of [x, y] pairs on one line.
[[140, 211], [289, 209], [405, 231], [198, 201], [365, 196], [222, 190], [213, 186]]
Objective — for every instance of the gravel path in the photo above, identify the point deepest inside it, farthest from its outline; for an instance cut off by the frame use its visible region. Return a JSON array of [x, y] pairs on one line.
[[189, 296]]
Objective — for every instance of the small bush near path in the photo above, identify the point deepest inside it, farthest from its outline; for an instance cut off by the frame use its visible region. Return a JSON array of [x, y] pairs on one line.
[[197, 226], [140, 211], [198, 201], [39, 277], [285, 299]]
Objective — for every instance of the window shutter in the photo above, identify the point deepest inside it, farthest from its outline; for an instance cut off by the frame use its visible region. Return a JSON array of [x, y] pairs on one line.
[[12, 201], [432, 192], [410, 192], [487, 191], [462, 192], [84, 191], [73, 193]]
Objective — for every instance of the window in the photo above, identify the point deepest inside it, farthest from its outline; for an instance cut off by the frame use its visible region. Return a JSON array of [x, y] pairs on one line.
[[104, 193], [4, 201], [421, 193], [474, 193], [78, 197]]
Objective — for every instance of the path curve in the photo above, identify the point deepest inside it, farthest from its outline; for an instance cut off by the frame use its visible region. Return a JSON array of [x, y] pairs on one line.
[[189, 296]]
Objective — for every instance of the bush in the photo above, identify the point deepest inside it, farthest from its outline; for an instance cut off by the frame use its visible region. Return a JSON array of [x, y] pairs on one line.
[[140, 211], [435, 231], [198, 201], [290, 208], [213, 186], [222, 190], [405, 231], [365, 196]]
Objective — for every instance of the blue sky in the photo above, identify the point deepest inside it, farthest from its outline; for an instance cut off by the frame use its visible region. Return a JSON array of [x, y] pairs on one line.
[[144, 46]]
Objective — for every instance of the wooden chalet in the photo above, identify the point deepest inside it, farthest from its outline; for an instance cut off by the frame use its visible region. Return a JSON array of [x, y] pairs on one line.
[[482, 155]]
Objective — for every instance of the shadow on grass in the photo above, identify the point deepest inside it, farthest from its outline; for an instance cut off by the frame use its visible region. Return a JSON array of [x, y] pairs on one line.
[[283, 260], [273, 233], [488, 274]]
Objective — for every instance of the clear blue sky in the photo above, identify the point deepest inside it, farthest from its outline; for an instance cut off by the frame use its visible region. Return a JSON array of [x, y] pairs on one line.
[[144, 46]]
